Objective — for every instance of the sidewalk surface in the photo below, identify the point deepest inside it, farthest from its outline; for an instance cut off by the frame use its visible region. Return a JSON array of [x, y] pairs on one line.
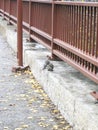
[[23, 103]]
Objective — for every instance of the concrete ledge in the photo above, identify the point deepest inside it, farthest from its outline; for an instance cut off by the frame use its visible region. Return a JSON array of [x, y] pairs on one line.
[[66, 87]]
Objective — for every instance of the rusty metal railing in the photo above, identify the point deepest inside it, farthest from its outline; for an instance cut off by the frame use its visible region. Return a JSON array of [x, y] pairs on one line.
[[68, 29]]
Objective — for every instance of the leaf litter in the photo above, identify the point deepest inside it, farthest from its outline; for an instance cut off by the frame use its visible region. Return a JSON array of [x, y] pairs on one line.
[[55, 122], [60, 122]]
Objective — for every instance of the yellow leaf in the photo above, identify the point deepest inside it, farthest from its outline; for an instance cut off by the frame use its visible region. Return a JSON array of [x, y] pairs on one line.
[[62, 122], [55, 111], [30, 117], [33, 110], [22, 95], [26, 81], [15, 76], [18, 128], [24, 126], [67, 127], [60, 117], [42, 118], [42, 124], [55, 127], [37, 91], [6, 128], [51, 119]]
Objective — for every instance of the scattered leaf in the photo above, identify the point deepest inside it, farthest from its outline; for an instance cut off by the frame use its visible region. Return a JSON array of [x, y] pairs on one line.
[[51, 120], [18, 128], [43, 118], [55, 127], [42, 124], [24, 126], [66, 128], [30, 117], [33, 110], [6, 128]]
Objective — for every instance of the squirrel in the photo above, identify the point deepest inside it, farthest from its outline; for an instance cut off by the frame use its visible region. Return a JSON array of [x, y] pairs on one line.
[[49, 66]]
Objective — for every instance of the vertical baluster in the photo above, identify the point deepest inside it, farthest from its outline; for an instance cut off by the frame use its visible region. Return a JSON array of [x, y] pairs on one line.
[[73, 26], [93, 31], [30, 20], [90, 48], [87, 31], [97, 36], [78, 27], [84, 40], [71, 38]]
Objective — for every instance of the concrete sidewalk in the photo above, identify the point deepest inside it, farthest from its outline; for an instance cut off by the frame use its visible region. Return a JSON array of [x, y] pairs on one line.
[[67, 88], [23, 103]]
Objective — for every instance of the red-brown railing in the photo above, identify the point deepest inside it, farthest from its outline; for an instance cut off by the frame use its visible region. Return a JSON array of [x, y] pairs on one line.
[[68, 29]]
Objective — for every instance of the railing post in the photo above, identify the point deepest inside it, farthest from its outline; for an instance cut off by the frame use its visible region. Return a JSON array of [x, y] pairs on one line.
[[96, 55], [9, 11], [3, 8], [52, 29], [19, 33], [29, 20], [53, 26], [30, 39]]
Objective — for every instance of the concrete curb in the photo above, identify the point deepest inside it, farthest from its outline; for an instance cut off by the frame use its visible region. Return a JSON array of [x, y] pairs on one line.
[[67, 88]]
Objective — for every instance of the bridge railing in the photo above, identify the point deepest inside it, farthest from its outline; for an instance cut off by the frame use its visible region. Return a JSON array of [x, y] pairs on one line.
[[68, 29]]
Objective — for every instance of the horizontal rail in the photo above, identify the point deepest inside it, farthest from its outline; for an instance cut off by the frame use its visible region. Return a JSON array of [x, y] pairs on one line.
[[81, 69], [76, 51], [77, 3], [40, 41], [68, 29]]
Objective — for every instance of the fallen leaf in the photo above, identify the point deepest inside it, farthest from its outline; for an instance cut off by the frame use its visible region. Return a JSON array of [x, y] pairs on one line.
[[18, 128], [43, 118], [24, 126], [33, 110], [55, 111], [62, 122], [51, 120], [67, 127], [16, 76], [42, 124], [30, 117], [55, 127], [6, 128]]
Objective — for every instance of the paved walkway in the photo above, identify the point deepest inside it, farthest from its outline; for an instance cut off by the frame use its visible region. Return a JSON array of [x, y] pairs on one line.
[[23, 103]]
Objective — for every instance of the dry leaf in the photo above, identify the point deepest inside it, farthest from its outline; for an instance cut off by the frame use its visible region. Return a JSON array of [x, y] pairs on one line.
[[6, 128], [43, 118], [18, 128], [33, 110], [15, 76], [33, 99], [51, 120], [55, 127], [67, 127], [22, 95], [24, 126], [30, 117], [60, 117], [55, 111], [62, 122], [42, 124]]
